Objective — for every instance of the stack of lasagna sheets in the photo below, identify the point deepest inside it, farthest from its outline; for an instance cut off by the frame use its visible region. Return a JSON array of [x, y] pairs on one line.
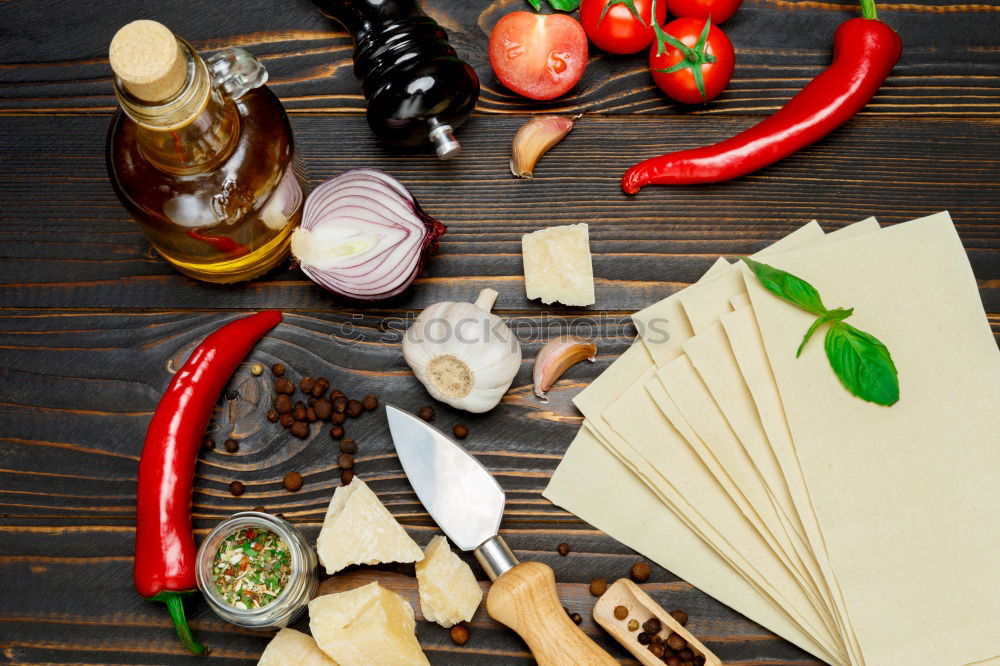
[[863, 534]]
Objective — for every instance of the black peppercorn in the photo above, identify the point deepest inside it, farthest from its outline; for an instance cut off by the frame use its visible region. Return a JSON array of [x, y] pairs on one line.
[[231, 445], [460, 431], [643, 638], [576, 617], [337, 432], [426, 413], [348, 445], [232, 394], [370, 403], [563, 549], [346, 476], [323, 409], [292, 481], [299, 429], [652, 626], [286, 420], [236, 488], [354, 408], [208, 444], [345, 461], [278, 369]]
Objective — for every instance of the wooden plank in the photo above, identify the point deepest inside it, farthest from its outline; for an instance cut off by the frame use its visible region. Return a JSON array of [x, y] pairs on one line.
[[67, 243], [948, 63]]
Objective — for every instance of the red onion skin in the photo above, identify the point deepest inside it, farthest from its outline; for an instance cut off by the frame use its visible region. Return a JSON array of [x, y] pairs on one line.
[[358, 290]]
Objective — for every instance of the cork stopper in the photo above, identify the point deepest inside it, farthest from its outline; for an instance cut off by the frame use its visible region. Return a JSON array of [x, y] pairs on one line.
[[149, 61]]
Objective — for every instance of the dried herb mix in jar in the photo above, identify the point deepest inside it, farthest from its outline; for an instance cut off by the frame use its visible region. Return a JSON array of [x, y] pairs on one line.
[[251, 568]]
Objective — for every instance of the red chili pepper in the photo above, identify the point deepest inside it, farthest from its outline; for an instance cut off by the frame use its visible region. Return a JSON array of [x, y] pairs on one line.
[[164, 541], [223, 244], [864, 52]]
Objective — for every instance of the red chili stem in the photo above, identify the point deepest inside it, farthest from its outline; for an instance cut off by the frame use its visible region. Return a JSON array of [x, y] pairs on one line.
[[864, 52], [164, 542]]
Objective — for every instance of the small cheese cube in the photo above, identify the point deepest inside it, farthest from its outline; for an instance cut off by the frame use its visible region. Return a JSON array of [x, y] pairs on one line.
[[358, 529], [557, 265], [293, 647], [449, 593], [366, 626]]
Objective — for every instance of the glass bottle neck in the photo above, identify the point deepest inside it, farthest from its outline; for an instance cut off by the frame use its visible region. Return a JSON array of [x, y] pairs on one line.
[[193, 131]]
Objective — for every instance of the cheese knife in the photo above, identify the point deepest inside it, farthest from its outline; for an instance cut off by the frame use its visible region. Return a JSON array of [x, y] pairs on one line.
[[467, 503]]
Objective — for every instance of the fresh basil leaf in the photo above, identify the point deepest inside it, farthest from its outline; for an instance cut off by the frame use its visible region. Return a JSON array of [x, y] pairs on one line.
[[840, 314], [565, 5], [862, 363], [537, 4], [788, 287]]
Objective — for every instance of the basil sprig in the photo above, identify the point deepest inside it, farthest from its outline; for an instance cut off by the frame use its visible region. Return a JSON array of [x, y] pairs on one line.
[[561, 5], [860, 360]]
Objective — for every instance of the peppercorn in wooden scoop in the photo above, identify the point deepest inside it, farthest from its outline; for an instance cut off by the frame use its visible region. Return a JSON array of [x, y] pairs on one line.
[[655, 631], [467, 503]]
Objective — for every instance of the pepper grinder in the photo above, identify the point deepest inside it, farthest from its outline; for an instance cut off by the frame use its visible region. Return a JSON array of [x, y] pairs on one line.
[[418, 90]]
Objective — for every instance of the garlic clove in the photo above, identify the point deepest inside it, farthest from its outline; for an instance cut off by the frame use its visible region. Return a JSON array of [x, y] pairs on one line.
[[556, 357], [534, 139]]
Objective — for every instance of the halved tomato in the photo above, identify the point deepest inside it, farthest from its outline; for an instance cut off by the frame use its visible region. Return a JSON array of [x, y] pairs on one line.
[[540, 56]]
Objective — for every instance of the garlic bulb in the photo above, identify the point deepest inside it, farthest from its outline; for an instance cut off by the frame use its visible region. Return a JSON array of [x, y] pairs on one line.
[[463, 355]]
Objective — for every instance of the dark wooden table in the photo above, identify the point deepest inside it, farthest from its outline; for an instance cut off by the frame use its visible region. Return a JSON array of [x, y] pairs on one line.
[[93, 323]]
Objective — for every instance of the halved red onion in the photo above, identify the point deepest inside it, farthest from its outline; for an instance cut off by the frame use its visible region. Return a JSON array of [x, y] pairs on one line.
[[364, 236]]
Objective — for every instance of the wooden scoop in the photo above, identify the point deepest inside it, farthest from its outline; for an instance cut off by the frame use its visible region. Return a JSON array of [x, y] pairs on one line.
[[641, 607]]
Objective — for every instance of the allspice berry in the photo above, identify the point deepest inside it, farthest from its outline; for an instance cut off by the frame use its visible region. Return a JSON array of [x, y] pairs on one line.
[[299, 413], [299, 429], [337, 418], [680, 616], [286, 420], [687, 654], [598, 586], [278, 369], [640, 572], [323, 409], [656, 649], [272, 415], [644, 638], [674, 661], [231, 446], [652, 626], [346, 476], [426, 413], [563, 549], [460, 431], [576, 617], [459, 634], [236, 488], [348, 445], [292, 481], [621, 612], [354, 408], [676, 641], [283, 403], [340, 403], [337, 432], [207, 444], [306, 384], [345, 461], [319, 387], [311, 415], [370, 403], [284, 385]]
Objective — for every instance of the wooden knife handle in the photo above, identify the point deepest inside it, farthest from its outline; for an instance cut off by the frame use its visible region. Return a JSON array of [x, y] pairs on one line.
[[525, 599]]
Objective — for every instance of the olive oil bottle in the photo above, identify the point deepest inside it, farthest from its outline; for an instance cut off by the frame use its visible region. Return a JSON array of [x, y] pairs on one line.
[[201, 155]]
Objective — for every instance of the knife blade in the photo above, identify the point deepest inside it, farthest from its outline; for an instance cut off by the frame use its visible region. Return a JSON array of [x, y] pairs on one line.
[[466, 502]]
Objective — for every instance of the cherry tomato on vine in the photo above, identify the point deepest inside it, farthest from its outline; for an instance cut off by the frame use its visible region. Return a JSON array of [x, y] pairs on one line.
[[540, 56], [718, 10], [620, 26], [691, 60]]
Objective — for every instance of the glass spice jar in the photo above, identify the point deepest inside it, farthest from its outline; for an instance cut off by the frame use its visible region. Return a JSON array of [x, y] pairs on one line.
[[294, 598]]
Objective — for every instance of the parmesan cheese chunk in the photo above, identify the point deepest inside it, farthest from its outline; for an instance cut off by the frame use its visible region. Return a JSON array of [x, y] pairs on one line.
[[367, 626], [358, 529], [557, 265], [293, 647], [449, 593]]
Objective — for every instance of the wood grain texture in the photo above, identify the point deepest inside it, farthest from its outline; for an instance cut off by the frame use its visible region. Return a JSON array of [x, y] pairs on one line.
[[780, 45], [92, 323]]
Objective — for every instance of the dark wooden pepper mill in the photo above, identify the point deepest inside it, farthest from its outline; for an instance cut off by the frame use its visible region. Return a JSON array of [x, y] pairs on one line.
[[417, 88]]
